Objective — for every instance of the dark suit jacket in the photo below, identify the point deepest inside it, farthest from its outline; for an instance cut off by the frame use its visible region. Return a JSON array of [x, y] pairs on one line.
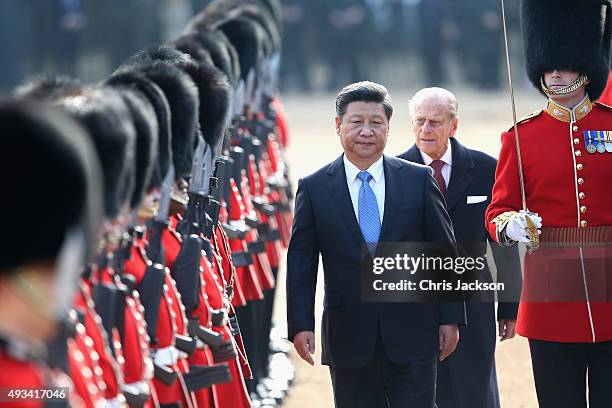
[[325, 224], [467, 377]]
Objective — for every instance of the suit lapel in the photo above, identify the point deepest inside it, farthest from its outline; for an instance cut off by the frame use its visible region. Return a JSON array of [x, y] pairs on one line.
[[393, 192], [412, 155], [461, 171], [338, 189], [461, 174]]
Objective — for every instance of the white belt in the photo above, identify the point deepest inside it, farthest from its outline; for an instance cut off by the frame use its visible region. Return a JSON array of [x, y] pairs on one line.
[[200, 344], [240, 224], [116, 402], [167, 356], [138, 387]]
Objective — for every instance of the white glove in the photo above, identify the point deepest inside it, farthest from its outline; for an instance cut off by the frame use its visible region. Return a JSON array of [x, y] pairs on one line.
[[516, 229]]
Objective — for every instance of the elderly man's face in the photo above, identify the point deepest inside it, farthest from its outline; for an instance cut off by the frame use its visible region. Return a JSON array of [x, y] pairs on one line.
[[432, 126], [363, 130]]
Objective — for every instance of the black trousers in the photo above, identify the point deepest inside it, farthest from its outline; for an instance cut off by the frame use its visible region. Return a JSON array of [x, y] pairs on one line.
[[561, 372], [385, 384]]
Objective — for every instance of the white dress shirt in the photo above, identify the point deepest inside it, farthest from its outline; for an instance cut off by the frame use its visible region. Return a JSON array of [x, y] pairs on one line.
[[377, 184], [447, 158]]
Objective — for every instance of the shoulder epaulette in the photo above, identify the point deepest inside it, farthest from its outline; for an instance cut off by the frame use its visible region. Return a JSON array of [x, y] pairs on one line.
[[527, 118]]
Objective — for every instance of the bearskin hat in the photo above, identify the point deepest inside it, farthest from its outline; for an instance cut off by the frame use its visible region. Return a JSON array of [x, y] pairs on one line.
[[569, 35], [145, 124], [105, 116], [48, 166], [277, 12], [213, 90], [158, 101], [220, 11], [182, 96], [248, 38], [222, 52], [49, 88], [189, 44]]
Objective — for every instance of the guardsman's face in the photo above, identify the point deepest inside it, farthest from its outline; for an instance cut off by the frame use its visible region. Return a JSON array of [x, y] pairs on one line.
[[149, 207], [28, 299], [178, 203], [432, 126], [363, 131], [558, 79]]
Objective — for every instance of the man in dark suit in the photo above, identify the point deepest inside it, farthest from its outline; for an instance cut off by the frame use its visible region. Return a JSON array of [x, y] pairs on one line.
[[380, 354], [466, 379]]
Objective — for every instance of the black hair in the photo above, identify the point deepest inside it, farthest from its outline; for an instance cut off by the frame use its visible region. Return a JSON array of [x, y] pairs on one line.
[[364, 91]]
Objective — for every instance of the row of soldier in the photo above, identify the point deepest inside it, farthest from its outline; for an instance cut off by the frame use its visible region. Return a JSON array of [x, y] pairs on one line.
[[166, 210]]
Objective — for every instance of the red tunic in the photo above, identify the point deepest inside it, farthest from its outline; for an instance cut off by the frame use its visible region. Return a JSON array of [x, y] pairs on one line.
[[284, 219], [257, 189], [567, 187], [18, 374], [169, 321], [606, 96], [247, 274], [84, 369], [138, 366], [172, 244], [175, 304], [111, 372], [261, 263], [281, 122], [224, 268], [231, 394], [223, 250]]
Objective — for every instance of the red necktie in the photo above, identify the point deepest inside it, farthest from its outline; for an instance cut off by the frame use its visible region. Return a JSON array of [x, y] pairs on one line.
[[437, 166]]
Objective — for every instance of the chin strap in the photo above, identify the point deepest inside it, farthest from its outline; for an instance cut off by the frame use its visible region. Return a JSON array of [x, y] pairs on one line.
[[581, 80]]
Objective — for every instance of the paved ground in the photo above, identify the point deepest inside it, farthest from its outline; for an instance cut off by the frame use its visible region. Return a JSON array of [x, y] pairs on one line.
[[314, 143]]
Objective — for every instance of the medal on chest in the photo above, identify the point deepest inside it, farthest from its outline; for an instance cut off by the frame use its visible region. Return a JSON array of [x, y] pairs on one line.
[[608, 142], [599, 141]]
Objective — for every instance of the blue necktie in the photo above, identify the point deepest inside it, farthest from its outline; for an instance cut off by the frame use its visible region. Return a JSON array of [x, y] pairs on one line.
[[369, 218]]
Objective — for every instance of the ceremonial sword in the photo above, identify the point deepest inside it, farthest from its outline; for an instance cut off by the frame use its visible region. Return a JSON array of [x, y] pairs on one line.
[[531, 228]]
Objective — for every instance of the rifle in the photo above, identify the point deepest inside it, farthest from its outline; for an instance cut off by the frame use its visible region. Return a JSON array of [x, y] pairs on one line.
[[151, 288]]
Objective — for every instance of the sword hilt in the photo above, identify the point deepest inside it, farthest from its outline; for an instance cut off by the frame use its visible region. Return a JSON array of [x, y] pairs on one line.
[[532, 230]]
